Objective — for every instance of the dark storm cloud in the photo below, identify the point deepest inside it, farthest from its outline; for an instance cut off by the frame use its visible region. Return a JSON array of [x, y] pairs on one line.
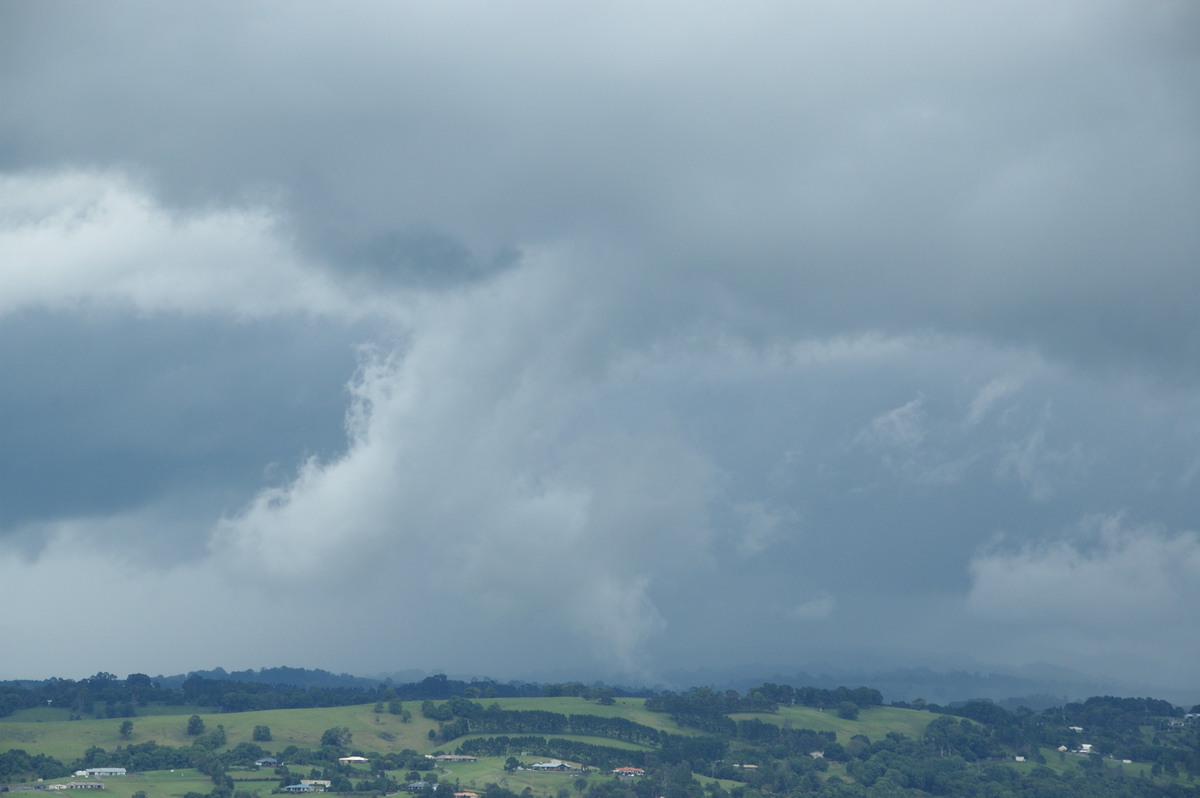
[[796, 325], [144, 407], [1019, 172]]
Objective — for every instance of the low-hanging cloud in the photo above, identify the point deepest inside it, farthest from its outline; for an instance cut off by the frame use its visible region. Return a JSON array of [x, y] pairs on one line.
[[1107, 574]]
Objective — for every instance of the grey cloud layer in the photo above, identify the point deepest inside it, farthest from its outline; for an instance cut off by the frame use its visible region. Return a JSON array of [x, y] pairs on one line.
[[788, 324]]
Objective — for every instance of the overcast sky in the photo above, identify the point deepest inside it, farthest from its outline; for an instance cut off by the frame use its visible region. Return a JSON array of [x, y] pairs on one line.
[[599, 338]]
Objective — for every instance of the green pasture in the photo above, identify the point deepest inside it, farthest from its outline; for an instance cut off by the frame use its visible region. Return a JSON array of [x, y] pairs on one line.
[[46, 730], [629, 708], [159, 784], [68, 740], [477, 775], [874, 722], [607, 742], [1066, 762]]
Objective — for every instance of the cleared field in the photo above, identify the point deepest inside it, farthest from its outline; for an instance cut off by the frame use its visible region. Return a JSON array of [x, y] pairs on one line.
[[161, 784], [47, 731], [490, 770], [629, 708], [874, 722], [43, 731], [67, 740]]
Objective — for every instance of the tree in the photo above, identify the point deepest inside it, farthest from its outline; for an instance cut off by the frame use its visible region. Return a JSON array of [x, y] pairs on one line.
[[126, 728], [195, 726], [848, 710], [262, 734], [336, 737]]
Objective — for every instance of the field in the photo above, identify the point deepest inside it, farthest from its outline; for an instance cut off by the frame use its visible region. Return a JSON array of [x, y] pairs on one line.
[[48, 731], [874, 722]]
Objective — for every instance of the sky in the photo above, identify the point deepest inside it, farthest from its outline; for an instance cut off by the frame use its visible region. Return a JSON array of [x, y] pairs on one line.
[[605, 339]]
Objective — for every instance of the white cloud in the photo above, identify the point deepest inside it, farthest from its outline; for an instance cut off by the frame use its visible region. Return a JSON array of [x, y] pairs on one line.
[[901, 427], [1041, 468], [987, 397], [72, 239], [1107, 575]]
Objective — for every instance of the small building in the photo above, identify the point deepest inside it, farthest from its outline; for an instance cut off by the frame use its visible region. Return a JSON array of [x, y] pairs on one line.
[[1019, 758], [85, 785], [299, 788], [267, 762], [552, 765], [101, 772], [324, 784], [628, 772], [352, 760], [455, 758]]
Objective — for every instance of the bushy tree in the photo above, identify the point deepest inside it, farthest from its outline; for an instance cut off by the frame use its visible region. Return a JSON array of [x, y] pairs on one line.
[[336, 737], [195, 726]]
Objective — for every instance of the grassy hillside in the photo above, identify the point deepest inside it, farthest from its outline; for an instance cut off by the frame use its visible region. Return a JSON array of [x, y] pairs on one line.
[[48, 731], [873, 722]]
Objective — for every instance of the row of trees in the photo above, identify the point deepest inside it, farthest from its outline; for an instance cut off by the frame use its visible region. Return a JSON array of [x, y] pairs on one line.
[[106, 695]]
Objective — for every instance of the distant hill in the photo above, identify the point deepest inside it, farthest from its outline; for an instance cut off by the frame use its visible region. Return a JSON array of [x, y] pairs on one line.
[[293, 677], [1035, 686]]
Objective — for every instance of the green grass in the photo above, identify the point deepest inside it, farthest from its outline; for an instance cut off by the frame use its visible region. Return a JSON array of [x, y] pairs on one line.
[[163, 784], [46, 730], [630, 708], [490, 770], [875, 722], [67, 740]]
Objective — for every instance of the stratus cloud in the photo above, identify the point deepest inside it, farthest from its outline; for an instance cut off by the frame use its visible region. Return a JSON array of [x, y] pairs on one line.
[[129, 609], [84, 239], [1107, 574]]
